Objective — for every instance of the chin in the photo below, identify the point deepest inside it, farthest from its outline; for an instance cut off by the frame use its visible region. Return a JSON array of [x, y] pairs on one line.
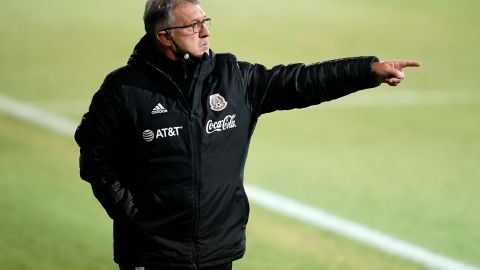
[[204, 49], [200, 54]]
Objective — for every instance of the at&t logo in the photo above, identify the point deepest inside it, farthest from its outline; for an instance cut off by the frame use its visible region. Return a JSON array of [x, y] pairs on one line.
[[150, 135]]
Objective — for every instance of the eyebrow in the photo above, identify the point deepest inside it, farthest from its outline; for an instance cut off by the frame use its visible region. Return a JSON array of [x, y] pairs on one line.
[[197, 20]]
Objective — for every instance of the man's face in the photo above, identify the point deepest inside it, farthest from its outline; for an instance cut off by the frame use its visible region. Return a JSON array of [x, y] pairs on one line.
[[187, 13]]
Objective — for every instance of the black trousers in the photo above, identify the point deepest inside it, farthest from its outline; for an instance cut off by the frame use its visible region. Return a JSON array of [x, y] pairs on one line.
[[227, 266]]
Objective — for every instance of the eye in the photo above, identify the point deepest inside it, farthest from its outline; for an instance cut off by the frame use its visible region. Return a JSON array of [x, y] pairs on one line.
[[197, 26]]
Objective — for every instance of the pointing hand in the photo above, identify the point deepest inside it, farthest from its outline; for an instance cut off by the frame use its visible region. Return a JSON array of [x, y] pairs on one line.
[[391, 72]]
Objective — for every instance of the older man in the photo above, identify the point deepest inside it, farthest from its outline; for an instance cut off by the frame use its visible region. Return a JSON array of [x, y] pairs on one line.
[[165, 140]]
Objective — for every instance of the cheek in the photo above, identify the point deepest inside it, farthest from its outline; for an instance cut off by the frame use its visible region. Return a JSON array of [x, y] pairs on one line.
[[190, 43], [194, 46]]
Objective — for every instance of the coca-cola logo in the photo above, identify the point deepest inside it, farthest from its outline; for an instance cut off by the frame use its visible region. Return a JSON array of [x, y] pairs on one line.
[[227, 123]]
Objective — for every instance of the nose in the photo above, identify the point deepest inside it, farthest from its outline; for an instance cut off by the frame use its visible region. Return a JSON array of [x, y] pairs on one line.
[[204, 32]]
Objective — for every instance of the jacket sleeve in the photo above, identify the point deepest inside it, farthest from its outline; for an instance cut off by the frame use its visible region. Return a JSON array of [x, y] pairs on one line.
[[99, 136], [299, 85]]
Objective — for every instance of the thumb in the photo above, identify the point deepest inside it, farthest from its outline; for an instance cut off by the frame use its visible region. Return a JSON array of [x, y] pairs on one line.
[[386, 70], [393, 72]]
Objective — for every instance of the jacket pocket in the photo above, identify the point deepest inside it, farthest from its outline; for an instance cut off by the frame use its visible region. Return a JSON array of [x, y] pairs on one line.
[[241, 196]]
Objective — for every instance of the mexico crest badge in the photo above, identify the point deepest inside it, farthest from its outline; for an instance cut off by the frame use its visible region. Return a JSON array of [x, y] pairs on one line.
[[217, 102]]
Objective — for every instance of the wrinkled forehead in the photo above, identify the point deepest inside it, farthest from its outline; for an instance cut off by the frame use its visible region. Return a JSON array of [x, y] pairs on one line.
[[187, 13]]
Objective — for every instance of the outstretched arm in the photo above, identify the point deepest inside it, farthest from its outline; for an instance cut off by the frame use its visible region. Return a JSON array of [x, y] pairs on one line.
[[391, 72], [286, 87]]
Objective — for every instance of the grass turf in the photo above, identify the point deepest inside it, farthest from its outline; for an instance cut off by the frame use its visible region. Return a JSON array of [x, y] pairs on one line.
[[408, 169]]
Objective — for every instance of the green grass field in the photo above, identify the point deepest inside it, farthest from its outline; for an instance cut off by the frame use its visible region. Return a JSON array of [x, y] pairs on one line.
[[405, 160]]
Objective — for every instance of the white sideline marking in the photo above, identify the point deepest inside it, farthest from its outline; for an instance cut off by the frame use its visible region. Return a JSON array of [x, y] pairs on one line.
[[376, 239], [271, 201], [36, 115]]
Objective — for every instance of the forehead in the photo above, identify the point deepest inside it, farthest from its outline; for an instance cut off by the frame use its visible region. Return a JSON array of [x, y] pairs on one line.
[[187, 12]]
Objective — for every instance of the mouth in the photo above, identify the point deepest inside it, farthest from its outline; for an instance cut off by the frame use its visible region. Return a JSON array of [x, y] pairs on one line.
[[204, 46]]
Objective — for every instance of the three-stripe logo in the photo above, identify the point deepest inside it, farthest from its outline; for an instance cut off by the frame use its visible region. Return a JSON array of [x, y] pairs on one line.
[[159, 109]]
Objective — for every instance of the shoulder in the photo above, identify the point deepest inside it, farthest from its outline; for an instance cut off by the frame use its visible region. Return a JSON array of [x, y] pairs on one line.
[[124, 74], [225, 57], [111, 87], [231, 60], [122, 80]]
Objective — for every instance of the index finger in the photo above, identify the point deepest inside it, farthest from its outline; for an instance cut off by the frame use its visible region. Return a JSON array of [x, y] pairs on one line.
[[408, 63]]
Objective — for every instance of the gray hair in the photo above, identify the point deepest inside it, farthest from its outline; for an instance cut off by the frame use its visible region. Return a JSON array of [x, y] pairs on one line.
[[159, 14]]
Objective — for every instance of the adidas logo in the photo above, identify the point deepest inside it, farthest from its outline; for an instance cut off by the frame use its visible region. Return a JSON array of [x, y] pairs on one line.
[[159, 109]]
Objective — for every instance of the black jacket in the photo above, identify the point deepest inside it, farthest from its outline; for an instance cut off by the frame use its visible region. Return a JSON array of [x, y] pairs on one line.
[[169, 172]]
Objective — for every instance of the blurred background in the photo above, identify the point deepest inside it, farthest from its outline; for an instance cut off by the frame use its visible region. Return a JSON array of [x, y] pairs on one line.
[[404, 160]]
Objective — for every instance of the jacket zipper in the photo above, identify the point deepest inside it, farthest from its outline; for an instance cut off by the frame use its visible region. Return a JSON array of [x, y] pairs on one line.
[[195, 166], [193, 144]]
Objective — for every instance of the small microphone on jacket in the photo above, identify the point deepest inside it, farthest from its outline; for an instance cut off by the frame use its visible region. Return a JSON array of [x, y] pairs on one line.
[[179, 51]]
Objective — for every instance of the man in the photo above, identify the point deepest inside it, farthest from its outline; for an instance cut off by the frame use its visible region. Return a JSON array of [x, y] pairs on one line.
[[166, 137]]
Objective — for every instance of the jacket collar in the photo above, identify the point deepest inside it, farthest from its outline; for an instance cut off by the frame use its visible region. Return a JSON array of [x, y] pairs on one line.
[[146, 52]]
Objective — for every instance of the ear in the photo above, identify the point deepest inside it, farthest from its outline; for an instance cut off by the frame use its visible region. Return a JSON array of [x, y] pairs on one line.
[[164, 38]]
